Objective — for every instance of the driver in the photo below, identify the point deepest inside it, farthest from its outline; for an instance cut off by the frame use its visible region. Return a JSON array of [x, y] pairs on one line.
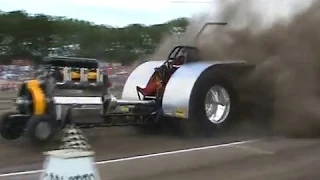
[[152, 87]]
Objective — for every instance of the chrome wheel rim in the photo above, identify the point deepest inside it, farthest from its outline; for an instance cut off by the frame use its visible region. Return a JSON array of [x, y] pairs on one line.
[[217, 104], [43, 130]]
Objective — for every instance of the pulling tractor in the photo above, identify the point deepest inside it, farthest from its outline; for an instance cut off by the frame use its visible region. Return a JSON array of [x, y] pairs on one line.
[[198, 96]]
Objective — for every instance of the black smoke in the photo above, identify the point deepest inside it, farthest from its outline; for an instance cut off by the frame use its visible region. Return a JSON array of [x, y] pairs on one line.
[[285, 50]]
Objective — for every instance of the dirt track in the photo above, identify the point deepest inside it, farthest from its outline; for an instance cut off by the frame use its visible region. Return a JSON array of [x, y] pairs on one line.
[[273, 158], [111, 143], [269, 159], [282, 159]]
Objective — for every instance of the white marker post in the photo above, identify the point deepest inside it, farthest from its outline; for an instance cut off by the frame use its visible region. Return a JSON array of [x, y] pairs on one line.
[[75, 161]]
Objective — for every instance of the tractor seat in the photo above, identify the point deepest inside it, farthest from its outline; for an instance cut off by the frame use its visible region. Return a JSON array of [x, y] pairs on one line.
[[146, 93]]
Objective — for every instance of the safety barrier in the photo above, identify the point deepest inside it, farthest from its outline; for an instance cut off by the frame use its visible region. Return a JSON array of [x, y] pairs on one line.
[[9, 85], [6, 100]]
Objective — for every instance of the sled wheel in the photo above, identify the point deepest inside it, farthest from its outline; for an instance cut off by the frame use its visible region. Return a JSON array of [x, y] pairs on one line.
[[213, 105], [10, 127], [41, 129]]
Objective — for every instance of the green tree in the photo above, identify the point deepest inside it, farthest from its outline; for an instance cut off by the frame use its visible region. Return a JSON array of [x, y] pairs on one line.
[[25, 35]]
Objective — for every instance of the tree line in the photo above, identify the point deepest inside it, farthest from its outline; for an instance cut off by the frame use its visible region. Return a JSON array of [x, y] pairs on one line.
[[23, 35]]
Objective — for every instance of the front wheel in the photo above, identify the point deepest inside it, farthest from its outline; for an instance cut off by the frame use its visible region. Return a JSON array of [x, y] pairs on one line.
[[11, 126], [41, 129], [213, 104]]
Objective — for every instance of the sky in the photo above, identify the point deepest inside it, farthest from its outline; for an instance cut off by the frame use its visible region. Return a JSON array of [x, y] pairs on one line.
[[116, 13], [119, 13]]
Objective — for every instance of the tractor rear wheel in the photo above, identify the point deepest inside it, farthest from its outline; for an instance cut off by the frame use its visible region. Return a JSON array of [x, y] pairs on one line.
[[213, 105]]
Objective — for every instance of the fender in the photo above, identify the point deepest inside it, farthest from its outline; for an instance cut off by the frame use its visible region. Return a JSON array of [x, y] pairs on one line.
[[139, 77], [178, 90], [38, 97]]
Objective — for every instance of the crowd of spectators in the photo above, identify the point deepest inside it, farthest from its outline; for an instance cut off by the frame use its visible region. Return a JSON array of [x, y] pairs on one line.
[[11, 76], [118, 76]]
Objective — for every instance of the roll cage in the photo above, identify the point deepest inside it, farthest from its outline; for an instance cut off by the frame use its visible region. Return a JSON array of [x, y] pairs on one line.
[[191, 53]]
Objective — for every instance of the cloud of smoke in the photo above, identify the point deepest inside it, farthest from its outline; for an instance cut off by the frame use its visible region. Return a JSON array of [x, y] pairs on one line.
[[282, 39]]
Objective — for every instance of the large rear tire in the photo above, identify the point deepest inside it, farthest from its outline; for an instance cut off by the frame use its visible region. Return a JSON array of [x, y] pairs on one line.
[[213, 105]]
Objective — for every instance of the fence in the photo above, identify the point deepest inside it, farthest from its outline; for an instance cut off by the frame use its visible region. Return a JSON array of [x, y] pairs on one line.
[[9, 85], [6, 100]]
